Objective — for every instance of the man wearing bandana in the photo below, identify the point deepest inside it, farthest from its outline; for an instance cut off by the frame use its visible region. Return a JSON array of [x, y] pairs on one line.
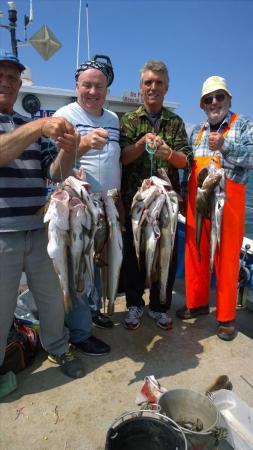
[[99, 145]]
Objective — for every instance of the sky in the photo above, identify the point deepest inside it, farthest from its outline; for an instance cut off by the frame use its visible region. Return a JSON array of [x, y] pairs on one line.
[[195, 38]]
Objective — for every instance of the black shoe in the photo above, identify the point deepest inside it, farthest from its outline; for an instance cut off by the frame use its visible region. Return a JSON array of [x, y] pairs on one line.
[[70, 365], [226, 331], [102, 321], [93, 346], [185, 313]]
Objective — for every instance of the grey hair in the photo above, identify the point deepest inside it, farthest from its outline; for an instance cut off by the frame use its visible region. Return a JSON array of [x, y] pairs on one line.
[[155, 66]]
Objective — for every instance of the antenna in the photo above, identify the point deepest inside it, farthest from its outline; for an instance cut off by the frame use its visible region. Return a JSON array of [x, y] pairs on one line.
[[78, 34], [28, 20], [12, 16], [88, 32]]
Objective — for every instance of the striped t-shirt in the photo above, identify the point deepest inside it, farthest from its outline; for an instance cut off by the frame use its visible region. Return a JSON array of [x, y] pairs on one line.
[[23, 188], [102, 167]]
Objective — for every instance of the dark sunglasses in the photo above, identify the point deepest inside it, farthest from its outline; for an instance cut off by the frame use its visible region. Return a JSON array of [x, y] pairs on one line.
[[209, 100]]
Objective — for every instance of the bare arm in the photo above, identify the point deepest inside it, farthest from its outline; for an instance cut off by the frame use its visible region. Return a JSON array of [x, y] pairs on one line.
[[13, 144], [176, 159]]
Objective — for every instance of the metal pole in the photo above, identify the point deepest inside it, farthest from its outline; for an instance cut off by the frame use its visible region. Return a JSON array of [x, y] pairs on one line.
[[12, 15], [78, 34], [88, 33]]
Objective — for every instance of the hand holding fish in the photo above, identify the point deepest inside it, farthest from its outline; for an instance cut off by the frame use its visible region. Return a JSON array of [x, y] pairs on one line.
[[164, 152], [215, 141], [96, 139], [152, 140], [69, 142], [56, 127], [175, 158]]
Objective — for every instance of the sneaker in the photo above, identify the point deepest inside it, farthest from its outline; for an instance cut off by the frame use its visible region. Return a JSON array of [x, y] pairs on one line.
[[93, 346], [162, 319], [69, 364], [102, 321], [133, 316]]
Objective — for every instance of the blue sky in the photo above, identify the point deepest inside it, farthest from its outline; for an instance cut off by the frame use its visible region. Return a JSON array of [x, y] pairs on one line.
[[195, 38]]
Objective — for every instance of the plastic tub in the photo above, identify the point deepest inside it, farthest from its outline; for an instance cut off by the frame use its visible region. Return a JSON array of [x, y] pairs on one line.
[[238, 417]]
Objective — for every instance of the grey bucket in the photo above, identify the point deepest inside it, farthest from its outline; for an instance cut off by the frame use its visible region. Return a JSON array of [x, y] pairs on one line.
[[145, 430], [186, 406]]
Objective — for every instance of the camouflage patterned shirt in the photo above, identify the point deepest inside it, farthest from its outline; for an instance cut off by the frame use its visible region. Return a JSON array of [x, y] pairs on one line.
[[136, 124]]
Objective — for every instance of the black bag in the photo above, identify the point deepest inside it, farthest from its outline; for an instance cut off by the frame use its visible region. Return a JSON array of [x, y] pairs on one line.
[[22, 346]]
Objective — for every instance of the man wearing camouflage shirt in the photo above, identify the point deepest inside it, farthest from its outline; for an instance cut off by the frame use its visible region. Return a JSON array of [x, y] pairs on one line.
[[154, 124]]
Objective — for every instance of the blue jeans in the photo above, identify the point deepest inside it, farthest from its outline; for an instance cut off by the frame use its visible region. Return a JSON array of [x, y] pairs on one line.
[[94, 298], [85, 307]]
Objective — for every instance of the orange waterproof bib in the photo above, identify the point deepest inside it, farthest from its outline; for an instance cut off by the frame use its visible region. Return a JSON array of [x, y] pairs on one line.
[[226, 262]]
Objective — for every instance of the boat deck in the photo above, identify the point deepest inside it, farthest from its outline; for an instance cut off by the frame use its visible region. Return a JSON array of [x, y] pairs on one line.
[[57, 413]]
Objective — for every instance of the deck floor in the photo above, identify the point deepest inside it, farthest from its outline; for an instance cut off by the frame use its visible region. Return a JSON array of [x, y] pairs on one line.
[[189, 356]]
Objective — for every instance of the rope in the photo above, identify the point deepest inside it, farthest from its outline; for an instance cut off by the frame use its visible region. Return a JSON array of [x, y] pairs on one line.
[[52, 142], [151, 148]]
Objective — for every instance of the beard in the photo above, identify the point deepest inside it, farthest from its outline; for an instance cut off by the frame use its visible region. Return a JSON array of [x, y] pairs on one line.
[[217, 115]]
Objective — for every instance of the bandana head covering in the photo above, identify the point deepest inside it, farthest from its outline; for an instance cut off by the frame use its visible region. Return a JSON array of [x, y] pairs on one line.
[[94, 63]]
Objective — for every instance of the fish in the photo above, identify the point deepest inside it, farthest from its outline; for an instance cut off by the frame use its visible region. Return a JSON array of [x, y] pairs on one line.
[[165, 250], [80, 186], [101, 235], [217, 205], [139, 210], [205, 189], [57, 216], [152, 234], [76, 223], [114, 249]]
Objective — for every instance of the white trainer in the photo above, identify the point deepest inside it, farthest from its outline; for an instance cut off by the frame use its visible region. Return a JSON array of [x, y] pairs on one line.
[[133, 317], [163, 320]]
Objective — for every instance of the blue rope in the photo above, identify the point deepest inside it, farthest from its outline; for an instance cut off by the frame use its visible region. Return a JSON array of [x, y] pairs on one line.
[[151, 148]]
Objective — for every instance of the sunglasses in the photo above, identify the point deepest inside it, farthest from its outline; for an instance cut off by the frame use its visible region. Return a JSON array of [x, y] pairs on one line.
[[209, 100]]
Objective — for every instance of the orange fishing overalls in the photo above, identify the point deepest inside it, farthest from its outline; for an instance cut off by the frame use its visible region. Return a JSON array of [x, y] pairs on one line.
[[226, 262]]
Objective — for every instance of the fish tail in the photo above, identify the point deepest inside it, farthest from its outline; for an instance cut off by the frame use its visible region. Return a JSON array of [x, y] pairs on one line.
[[110, 308], [67, 302]]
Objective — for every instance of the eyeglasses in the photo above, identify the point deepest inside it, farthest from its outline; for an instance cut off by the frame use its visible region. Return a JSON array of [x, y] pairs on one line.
[[209, 100]]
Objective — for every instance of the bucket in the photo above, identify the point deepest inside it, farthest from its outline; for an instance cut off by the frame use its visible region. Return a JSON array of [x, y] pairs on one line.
[[145, 430], [196, 415]]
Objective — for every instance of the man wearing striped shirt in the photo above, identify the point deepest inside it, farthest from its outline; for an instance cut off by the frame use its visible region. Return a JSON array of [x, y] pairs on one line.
[[99, 130], [225, 139], [27, 159]]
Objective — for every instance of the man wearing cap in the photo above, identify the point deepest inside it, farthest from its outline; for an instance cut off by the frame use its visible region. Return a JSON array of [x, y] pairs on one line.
[[231, 137], [99, 130], [27, 158], [150, 123]]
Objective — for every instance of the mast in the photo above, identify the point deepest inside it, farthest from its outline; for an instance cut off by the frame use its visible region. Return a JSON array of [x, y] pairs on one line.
[[12, 16]]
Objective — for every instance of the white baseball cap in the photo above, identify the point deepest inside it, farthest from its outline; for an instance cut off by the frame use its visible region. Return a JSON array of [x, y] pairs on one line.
[[212, 84]]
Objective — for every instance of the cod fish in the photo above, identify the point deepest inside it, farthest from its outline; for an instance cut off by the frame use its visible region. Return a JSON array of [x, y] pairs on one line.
[[139, 210], [114, 249], [58, 217], [206, 183], [76, 223], [217, 205], [152, 234]]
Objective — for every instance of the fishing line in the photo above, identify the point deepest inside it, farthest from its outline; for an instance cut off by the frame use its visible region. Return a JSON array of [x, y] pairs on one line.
[[52, 142], [77, 146], [151, 148]]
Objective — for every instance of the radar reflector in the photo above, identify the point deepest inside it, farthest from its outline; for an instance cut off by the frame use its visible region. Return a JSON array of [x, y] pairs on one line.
[[45, 42]]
